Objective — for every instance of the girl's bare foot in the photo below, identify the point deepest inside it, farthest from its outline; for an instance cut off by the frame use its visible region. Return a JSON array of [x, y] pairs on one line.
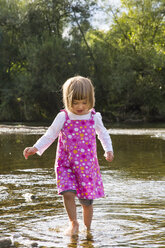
[[73, 228]]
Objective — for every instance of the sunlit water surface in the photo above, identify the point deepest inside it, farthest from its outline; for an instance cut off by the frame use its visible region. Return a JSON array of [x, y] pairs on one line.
[[131, 215]]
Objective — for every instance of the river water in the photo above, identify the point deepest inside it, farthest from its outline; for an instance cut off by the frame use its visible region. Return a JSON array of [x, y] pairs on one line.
[[131, 215]]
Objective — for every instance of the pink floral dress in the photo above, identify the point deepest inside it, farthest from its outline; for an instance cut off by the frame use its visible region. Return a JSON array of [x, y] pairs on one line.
[[76, 163]]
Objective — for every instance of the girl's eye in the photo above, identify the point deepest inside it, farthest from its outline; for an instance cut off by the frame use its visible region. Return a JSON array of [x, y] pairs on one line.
[[76, 103]]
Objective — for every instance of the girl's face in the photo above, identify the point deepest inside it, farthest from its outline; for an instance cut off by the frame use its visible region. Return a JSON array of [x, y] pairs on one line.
[[80, 107]]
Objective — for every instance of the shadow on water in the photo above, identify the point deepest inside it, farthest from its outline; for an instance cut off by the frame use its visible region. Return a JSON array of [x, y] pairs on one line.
[[131, 215]]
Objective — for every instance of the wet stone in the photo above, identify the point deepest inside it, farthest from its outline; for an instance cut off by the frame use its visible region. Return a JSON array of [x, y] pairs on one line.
[[34, 245], [16, 236], [5, 243]]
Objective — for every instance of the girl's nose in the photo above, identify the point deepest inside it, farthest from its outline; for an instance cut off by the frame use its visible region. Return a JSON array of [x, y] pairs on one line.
[[80, 106]]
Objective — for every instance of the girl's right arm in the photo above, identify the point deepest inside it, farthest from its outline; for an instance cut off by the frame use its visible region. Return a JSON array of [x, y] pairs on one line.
[[48, 138]]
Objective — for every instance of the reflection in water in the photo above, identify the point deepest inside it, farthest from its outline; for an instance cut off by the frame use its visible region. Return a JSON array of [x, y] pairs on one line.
[[131, 215], [87, 242]]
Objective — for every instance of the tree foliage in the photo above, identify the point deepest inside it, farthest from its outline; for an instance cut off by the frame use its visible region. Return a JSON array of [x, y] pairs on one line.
[[43, 42], [135, 54]]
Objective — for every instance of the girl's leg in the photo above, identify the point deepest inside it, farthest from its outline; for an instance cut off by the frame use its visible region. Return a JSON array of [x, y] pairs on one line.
[[70, 206], [88, 214]]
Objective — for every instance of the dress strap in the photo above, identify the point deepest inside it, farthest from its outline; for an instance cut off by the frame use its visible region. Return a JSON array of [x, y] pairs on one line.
[[93, 112], [66, 113]]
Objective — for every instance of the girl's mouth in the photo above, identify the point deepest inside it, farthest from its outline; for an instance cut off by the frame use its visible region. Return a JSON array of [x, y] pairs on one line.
[[80, 112]]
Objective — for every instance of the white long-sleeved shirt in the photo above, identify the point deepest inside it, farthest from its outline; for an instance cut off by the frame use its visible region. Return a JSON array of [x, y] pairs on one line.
[[53, 131]]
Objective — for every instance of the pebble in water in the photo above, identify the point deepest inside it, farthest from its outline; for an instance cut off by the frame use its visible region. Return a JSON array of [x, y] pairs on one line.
[[34, 245], [29, 197], [5, 243]]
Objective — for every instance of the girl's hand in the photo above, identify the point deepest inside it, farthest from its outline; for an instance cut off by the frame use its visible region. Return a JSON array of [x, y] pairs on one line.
[[29, 151], [109, 156]]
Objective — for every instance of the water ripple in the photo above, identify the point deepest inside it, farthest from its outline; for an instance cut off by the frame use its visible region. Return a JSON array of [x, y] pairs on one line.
[[29, 130]]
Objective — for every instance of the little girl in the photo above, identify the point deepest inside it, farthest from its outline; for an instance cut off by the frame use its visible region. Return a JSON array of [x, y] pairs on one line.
[[76, 165]]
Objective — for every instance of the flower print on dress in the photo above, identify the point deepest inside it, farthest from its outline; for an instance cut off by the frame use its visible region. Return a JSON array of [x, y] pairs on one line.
[[83, 122], [92, 122]]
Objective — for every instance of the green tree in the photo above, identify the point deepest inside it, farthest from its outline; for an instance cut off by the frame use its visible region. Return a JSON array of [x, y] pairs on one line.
[[10, 22], [40, 58], [132, 59], [43, 42]]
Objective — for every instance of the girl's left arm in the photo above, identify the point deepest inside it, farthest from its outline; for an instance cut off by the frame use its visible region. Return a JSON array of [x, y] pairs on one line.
[[109, 156], [104, 137]]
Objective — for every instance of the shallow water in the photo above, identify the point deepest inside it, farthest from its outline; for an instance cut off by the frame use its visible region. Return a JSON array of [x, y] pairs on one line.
[[131, 215]]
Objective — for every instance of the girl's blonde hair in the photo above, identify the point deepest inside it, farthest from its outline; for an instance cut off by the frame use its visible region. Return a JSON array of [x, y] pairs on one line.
[[78, 88]]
